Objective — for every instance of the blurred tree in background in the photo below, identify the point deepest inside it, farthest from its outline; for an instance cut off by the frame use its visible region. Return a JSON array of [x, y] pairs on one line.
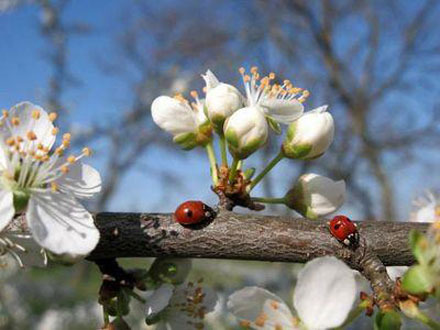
[[374, 62]]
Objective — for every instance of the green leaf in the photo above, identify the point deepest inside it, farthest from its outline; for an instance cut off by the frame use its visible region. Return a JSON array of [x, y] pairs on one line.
[[276, 127], [417, 280]]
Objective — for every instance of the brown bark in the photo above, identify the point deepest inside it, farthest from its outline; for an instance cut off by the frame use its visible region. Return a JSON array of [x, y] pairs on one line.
[[247, 237]]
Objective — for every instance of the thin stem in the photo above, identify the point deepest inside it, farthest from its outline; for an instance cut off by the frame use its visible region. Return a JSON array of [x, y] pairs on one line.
[[223, 150], [212, 162], [233, 172], [106, 316], [422, 317], [269, 200], [270, 166]]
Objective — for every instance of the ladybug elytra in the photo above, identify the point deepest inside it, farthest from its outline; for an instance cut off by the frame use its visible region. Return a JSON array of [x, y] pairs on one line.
[[344, 230], [193, 212]]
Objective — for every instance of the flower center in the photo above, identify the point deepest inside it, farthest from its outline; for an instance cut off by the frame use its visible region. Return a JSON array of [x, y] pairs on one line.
[[259, 88]]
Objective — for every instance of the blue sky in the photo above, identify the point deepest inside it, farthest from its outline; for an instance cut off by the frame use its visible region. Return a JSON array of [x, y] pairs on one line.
[[24, 73]]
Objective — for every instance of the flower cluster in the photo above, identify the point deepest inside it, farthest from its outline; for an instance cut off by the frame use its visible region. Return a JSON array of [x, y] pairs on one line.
[[242, 122], [41, 180]]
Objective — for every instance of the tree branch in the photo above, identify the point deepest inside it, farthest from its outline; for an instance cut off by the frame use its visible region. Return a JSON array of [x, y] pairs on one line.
[[247, 237]]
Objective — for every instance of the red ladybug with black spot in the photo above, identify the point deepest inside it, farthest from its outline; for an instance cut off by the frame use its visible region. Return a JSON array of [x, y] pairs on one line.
[[344, 230], [193, 213]]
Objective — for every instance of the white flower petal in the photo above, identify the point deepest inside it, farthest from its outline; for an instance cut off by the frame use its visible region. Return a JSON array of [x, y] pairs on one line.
[[260, 309], [283, 111], [82, 180], [210, 80], [159, 300], [173, 116], [42, 127], [3, 156], [325, 293], [323, 195], [60, 224], [6, 208]]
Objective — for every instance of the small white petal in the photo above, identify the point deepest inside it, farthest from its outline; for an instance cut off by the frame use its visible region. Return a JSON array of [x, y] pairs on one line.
[[82, 180], [396, 271], [42, 127], [159, 300], [173, 116], [325, 293], [4, 161], [210, 80], [283, 111], [60, 224], [6, 208], [261, 308]]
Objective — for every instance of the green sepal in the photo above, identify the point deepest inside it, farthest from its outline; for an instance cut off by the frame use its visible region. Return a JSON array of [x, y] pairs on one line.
[[186, 140], [417, 280], [241, 152], [418, 244], [389, 320], [276, 127], [296, 151], [21, 200]]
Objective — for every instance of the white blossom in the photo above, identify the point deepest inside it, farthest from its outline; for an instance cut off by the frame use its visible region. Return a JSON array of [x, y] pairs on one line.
[[315, 195], [187, 123], [324, 295], [426, 208], [309, 136], [246, 129], [222, 100], [39, 180], [182, 307]]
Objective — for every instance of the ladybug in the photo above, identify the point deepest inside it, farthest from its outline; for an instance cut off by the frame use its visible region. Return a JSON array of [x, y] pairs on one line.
[[344, 230], [193, 212]]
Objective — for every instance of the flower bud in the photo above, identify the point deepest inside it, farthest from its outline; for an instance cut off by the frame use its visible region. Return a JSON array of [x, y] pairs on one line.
[[418, 280], [189, 126], [222, 100], [315, 196], [170, 270], [389, 320], [246, 131], [309, 136]]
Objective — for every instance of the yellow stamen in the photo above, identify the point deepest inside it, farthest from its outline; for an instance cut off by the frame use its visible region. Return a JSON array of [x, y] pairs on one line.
[[15, 121], [45, 158], [19, 139], [55, 131], [65, 169], [254, 69], [10, 141], [59, 151], [71, 159], [261, 319], [5, 113], [53, 187], [241, 70], [246, 78], [194, 94], [53, 116], [67, 136], [36, 114], [271, 76], [66, 143], [31, 136], [87, 151]]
